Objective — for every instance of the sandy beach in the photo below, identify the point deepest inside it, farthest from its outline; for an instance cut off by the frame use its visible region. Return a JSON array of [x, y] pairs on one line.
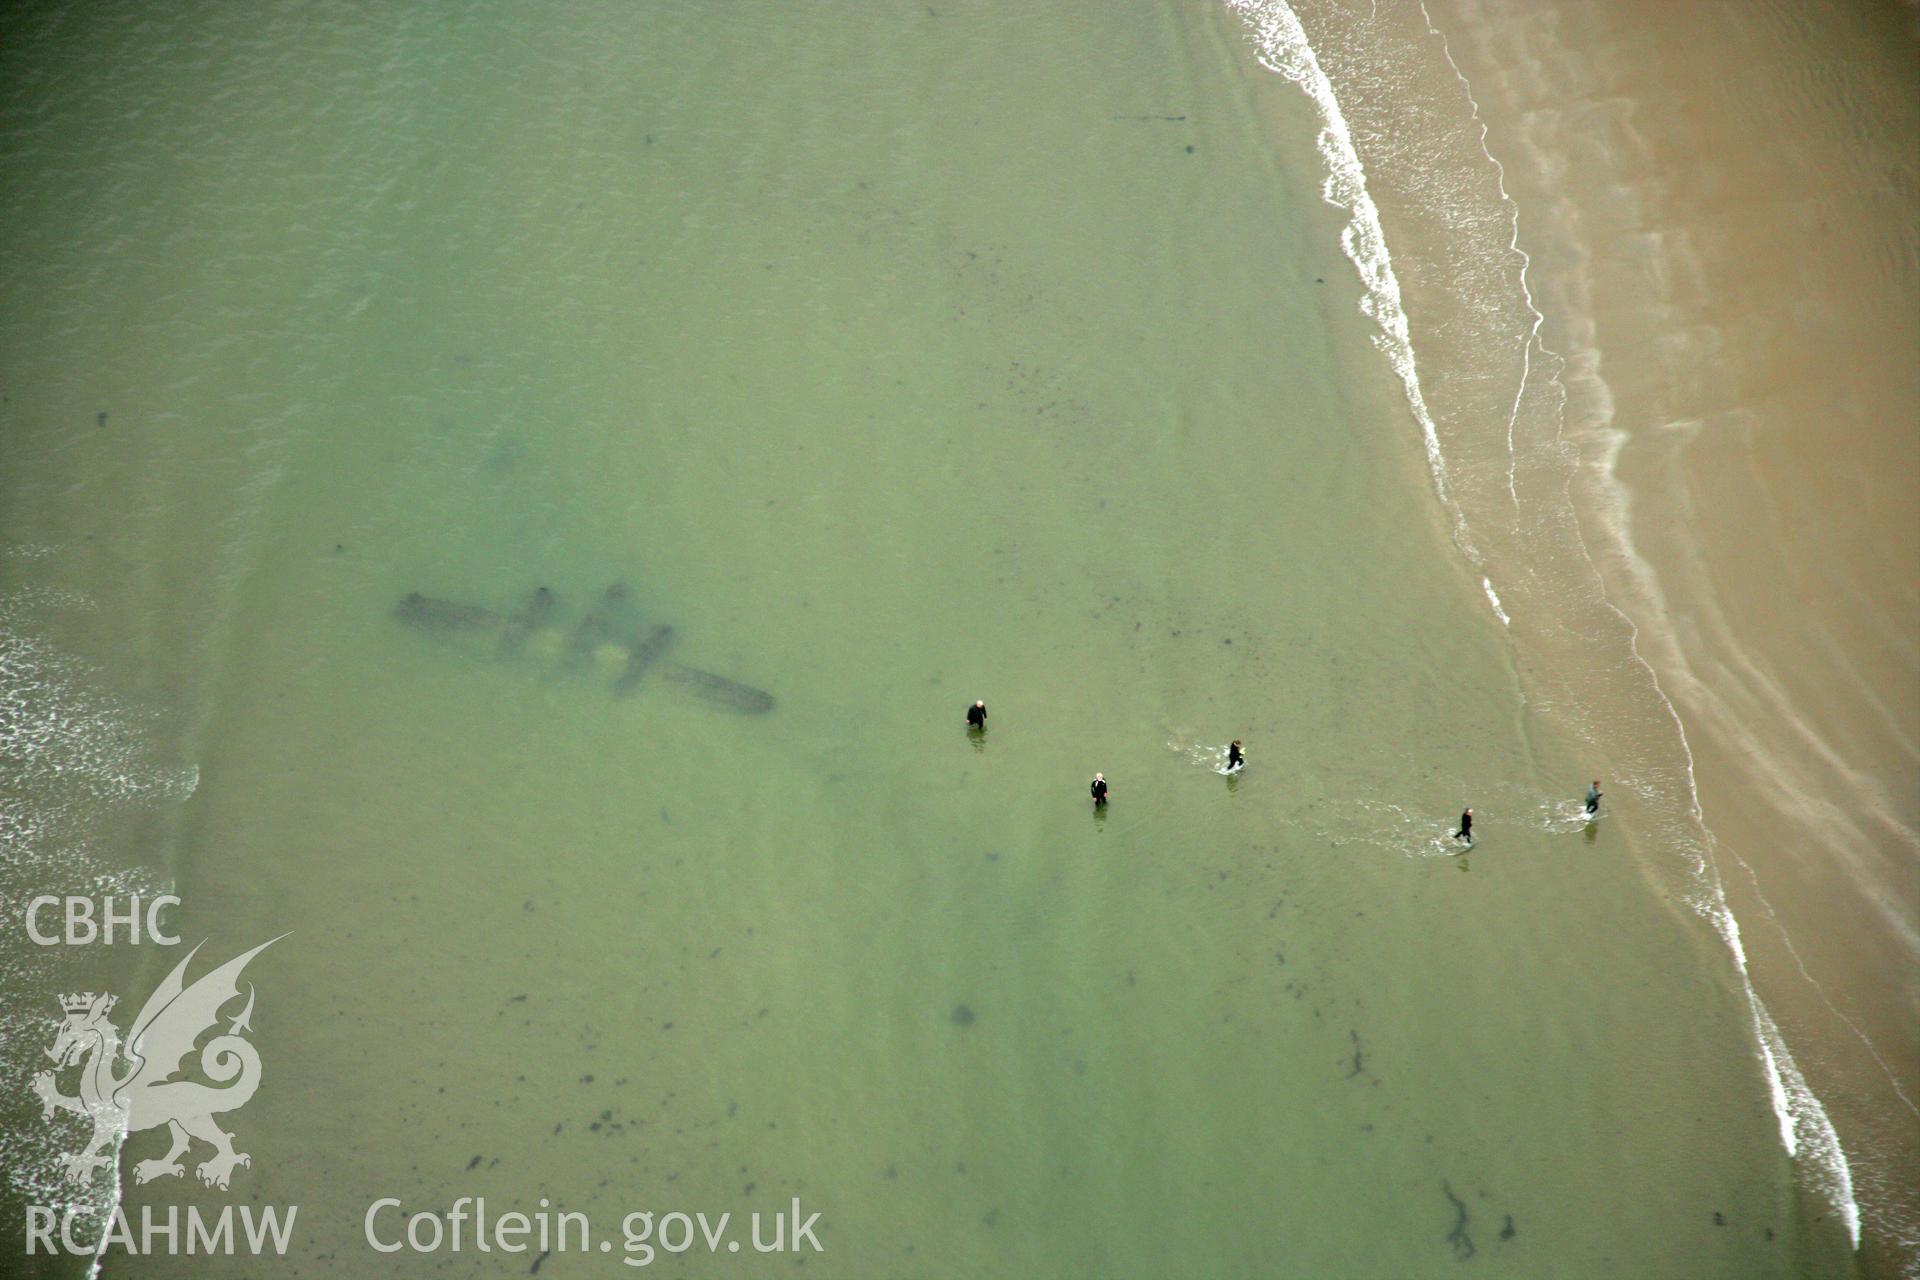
[[1688, 234], [1727, 222]]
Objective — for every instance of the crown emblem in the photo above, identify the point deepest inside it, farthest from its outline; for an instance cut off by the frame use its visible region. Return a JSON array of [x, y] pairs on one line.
[[83, 1002]]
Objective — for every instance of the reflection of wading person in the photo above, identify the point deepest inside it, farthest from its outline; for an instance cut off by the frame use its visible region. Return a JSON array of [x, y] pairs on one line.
[[1099, 789]]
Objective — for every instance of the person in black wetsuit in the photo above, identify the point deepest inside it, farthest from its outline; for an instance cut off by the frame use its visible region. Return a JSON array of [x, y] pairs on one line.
[[1234, 758], [1593, 798], [1466, 827], [1099, 789], [977, 716]]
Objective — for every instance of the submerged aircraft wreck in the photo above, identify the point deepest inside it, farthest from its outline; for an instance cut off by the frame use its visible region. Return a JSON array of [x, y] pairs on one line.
[[606, 641]]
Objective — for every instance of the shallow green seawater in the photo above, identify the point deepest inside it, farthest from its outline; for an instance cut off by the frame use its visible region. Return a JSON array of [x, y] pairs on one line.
[[894, 357]]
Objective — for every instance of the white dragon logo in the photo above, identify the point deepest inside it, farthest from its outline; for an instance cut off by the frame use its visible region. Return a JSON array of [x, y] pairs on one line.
[[152, 1091]]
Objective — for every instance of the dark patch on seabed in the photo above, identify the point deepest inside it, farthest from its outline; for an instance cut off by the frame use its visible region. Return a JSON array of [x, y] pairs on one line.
[[610, 622], [1457, 1237]]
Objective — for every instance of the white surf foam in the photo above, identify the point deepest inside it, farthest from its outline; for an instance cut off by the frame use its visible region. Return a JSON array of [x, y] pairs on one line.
[[68, 754], [1381, 824], [1493, 598], [1199, 754], [1282, 46]]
